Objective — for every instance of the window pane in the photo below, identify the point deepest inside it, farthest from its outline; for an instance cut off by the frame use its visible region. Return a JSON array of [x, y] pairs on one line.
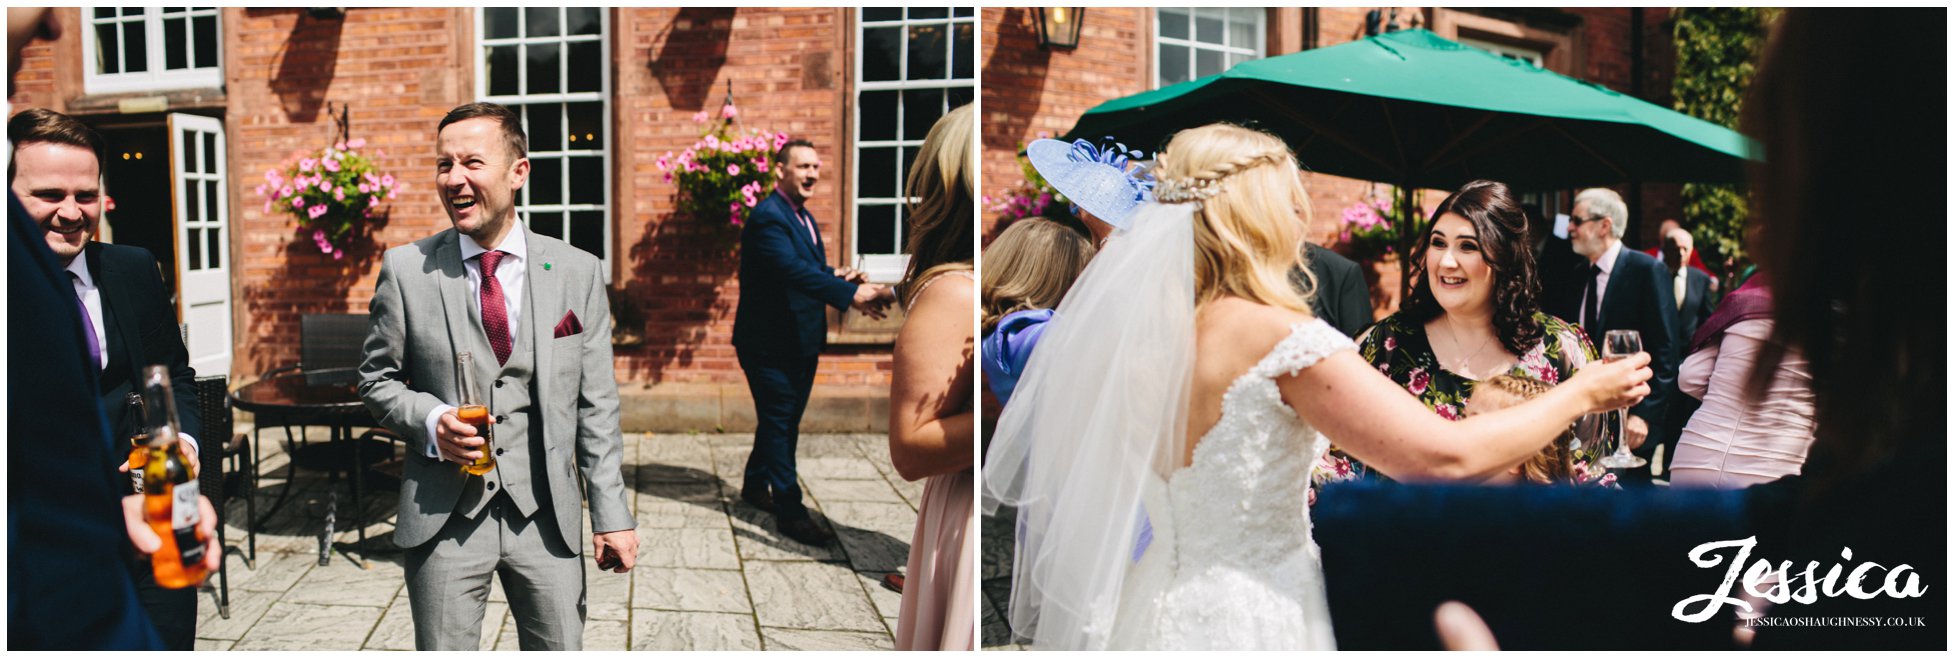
[[1207, 25], [1173, 23], [545, 181], [920, 109], [210, 202], [959, 97], [203, 30], [545, 72], [882, 54], [908, 161], [926, 52], [587, 125], [902, 229], [502, 80], [193, 207], [500, 22], [132, 11], [586, 66], [541, 21], [1207, 62], [186, 143], [105, 12], [135, 48], [582, 20], [545, 127], [875, 233], [962, 54], [879, 115], [193, 260], [214, 254], [547, 223], [960, 12], [928, 12], [1241, 27], [878, 174], [210, 155], [1173, 64], [872, 14], [176, 44], [108, 49], [587, 180], [587, 231]]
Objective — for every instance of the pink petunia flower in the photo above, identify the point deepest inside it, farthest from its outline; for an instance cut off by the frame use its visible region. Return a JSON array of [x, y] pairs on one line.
[[339, 194], [665, 162], [272, 176], [760, 165], [733, 207], [365, 189], [341, 146], [387, 180], [370, 178], [267, 206], [261, 189], [732, 170], [332, 165], [750, 201], [298, 202], [727, 111], [779, 140], [339, 255], [372, 201], [711, 141], [316, 212], [307, 164], [325, 186], [356, 143], [668, 177]]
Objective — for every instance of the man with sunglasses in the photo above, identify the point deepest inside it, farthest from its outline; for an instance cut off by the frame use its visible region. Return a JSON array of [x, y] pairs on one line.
[[1614, 287]]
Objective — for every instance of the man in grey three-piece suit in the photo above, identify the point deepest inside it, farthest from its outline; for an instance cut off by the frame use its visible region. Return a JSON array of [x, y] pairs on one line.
[[533, 312]]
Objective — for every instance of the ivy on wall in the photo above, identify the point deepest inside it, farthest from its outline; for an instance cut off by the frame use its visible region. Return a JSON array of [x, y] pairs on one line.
[[1716, 57]]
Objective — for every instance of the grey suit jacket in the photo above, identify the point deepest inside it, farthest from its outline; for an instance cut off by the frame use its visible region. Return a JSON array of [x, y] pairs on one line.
[[420, 309]]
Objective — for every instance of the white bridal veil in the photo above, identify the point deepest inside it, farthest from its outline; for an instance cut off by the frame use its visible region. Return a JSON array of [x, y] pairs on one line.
[[1101, 408]]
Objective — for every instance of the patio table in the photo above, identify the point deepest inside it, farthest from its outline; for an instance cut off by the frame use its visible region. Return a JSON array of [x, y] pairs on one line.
[[328, 397]]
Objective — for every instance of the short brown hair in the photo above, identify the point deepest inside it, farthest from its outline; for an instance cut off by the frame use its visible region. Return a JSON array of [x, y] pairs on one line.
[[510, 121], [780, 156], [40, 125]]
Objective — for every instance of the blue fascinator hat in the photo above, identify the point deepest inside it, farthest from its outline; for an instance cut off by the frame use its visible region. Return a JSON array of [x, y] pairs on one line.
[[1096, 179]]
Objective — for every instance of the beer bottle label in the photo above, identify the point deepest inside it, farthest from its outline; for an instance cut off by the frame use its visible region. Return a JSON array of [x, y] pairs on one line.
[[183, 507], [187, 546], [135, 478]]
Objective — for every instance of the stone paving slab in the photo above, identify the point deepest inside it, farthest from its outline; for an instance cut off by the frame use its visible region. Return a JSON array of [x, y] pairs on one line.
[[713, 573]]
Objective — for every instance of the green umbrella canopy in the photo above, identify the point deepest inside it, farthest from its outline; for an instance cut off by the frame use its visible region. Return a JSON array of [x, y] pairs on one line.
[[1413, 109]]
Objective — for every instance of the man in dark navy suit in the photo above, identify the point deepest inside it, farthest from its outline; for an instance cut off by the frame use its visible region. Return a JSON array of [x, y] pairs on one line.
[[1619, 288], [129, 319], [1693, 288], [779, 331]]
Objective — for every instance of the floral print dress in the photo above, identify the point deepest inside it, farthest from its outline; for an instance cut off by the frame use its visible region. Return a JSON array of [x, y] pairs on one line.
[[1401, 350]]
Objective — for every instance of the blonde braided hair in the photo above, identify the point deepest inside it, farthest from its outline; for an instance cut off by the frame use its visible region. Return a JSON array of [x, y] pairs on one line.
[[1252, 221], [1553, 463]]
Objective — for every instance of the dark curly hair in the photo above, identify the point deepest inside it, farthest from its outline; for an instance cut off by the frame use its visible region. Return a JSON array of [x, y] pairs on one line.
[[1501, 226]]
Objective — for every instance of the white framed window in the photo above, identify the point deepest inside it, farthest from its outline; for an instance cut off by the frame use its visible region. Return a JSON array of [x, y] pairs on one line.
[[912, 66], [151, 48], [1537, 58], [1195, 42], [552, 66]]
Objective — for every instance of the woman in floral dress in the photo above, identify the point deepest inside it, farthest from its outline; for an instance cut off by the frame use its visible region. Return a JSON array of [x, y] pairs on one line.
[[1473, 313]]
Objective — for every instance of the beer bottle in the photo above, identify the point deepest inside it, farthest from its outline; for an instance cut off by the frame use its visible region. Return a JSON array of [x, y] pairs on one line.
[[170, 490], [474, 412], [139, 441]]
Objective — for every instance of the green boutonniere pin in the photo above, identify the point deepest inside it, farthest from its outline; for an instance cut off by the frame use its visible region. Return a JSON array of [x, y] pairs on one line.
[[546, 266]]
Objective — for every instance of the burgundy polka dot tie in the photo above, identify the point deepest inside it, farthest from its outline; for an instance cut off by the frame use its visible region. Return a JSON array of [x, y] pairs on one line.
[[495, 314]]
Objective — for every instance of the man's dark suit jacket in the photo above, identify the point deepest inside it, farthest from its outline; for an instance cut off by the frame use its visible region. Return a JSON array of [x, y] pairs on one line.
[[65, 586], [784, 281], [1639, 297], [139, 330], [1342, 298], [1697, 305]]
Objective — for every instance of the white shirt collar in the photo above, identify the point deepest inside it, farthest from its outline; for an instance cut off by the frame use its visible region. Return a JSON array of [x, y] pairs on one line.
[[80, 270], [1607, 262], [516, 244]]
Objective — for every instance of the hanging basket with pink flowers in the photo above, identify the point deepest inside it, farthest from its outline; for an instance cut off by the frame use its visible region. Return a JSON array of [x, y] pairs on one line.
[[332, 193], [724, 174]]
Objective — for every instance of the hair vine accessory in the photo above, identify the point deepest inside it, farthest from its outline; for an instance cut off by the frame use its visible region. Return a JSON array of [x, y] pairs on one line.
[[1187, 189]]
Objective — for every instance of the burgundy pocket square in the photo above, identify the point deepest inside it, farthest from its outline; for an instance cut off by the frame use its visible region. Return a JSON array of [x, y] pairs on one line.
[[568, 326]]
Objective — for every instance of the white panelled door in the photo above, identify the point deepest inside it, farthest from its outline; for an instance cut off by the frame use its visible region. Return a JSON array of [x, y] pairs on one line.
[[202, 239]]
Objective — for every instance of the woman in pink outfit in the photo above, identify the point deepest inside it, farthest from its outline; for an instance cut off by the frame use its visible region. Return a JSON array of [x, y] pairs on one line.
[[1735, 441], [931, 422]]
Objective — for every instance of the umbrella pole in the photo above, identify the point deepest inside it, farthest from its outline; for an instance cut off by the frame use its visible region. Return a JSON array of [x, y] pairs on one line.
[[1408, 235]]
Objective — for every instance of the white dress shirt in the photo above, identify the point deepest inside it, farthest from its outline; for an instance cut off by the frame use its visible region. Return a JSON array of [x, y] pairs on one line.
[[511, 272], [1607, 265], [1681, 278]]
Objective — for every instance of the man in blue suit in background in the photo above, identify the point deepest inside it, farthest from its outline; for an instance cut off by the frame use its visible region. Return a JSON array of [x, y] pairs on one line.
[[780, 328]]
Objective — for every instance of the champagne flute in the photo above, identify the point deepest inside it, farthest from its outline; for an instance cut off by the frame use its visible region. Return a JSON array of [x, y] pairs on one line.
[[1618, 344]]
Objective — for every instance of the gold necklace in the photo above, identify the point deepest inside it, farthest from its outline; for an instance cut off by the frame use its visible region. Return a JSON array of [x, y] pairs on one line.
[[1453, 332]]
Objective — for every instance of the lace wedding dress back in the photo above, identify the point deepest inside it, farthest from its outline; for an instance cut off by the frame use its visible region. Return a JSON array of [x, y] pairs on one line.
[[1225, 559]]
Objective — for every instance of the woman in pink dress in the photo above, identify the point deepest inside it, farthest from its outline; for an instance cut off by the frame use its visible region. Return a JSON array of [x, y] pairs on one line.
[[931, 423], [1736, 440]]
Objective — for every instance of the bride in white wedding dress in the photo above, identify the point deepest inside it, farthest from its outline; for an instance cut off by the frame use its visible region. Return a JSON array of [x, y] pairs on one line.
[[1158, 447]]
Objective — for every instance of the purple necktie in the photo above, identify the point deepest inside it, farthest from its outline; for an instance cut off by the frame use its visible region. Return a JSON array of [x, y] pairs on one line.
[[88, 328]]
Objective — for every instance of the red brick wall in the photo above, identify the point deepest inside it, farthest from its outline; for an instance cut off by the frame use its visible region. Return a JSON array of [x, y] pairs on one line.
[[790, 70]]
